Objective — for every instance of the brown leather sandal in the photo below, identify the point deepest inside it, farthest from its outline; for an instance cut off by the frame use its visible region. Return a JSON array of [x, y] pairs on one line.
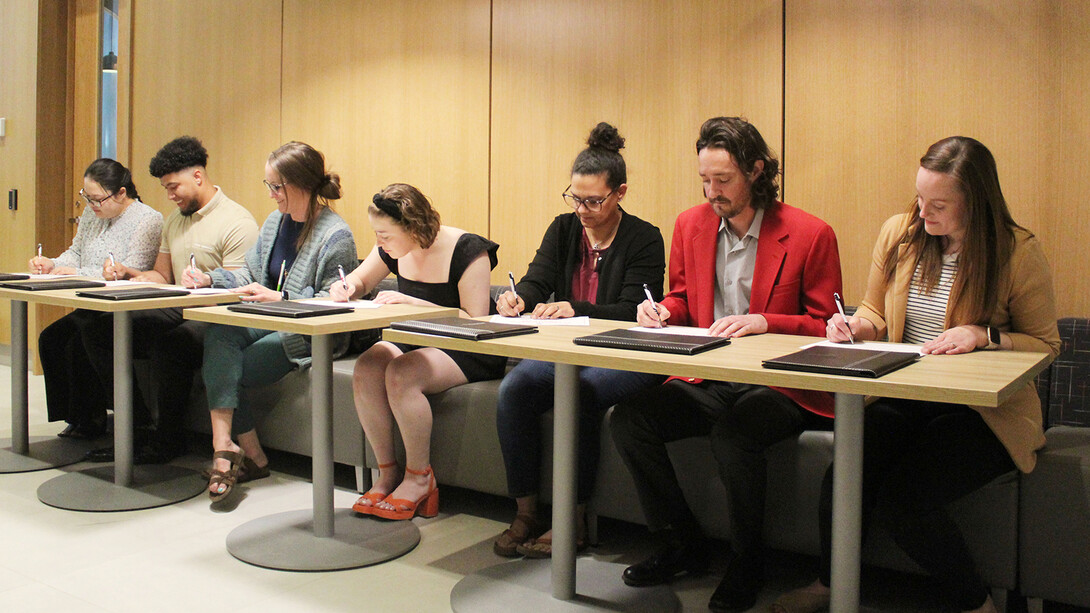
[[249, 471], [226, 478], [523, 529]]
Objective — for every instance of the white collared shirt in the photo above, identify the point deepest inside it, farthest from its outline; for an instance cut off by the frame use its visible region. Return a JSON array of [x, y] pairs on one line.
[[735, 259]]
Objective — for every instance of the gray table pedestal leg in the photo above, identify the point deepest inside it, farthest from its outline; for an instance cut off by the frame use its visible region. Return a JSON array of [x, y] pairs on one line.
[[322, 538], [21, 453], [122, 487], [847, 502], [550, 585]]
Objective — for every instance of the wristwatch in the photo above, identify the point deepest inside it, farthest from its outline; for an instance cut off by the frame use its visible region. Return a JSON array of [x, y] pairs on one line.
[[993, 339]]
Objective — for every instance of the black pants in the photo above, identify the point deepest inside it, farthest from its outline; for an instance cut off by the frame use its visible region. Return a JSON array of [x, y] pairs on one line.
[[173, 345], [917, 458], [73, 391], [741, 421]]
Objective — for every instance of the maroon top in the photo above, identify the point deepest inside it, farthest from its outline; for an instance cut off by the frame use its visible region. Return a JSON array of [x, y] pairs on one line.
[[584, 281]]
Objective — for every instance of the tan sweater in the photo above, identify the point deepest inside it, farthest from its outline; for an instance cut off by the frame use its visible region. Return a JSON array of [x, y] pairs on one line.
[[1025, 310]]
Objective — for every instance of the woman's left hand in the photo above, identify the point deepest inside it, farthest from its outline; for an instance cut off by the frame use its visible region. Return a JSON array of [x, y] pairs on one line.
[[961, 339], [553, 310], [255, 292], [392, 297]]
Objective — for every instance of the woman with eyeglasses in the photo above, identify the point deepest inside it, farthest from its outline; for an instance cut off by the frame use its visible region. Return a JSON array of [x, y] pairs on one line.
[[115, 225], [594, 261], [298, 254], [434, 265]]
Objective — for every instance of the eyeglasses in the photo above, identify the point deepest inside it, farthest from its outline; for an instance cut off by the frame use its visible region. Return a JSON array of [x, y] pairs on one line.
[[274, 187], [593, 204], [95, 201]]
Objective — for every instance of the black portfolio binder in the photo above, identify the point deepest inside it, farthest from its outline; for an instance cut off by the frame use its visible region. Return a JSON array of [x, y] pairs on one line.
[[38, 285], [662, 342], [13, 276], [133, 293], [285, 308], [843, 361], [460, 327]]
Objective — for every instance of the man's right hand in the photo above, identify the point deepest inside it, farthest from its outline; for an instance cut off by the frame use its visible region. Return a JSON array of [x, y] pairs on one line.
[[646, 316], [510, 305]]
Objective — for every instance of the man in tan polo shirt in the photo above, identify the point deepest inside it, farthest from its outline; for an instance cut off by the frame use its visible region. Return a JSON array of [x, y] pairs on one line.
[[215, 232]]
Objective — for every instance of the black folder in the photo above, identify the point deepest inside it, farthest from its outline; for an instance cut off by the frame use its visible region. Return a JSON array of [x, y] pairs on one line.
[[285, 308], [38, 285], [843, 361], [685, 344], [460, 327], [133, 293], [13, 276]]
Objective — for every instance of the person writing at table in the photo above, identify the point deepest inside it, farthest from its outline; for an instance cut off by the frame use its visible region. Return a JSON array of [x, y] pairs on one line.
[[742, 263], [306, 239], [115, 225], [956, 274], [435, 265], [594, 261]]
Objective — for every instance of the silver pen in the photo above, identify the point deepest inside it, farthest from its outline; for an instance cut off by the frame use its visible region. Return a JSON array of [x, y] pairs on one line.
[[840, 307], [650, 298], [113, 265], [193, 265], [39, 266], [344, 282]]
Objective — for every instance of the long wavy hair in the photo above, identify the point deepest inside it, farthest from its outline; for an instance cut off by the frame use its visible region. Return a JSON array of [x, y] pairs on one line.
[[989, 231]]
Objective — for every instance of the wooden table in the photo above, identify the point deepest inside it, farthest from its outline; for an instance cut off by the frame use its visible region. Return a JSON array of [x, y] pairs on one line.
[[320, 538], [121, 487], [979, 378]]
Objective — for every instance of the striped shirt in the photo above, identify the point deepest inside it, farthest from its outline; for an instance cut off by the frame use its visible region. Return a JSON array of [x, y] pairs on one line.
[[925, 314]]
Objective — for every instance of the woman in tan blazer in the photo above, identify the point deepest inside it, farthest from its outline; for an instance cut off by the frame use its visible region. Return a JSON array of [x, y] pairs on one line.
[[955, 274]]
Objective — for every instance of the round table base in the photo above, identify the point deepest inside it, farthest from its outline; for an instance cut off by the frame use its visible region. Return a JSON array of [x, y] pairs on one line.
[[526, 585], [45, 452], [153, 485], [286, 541]]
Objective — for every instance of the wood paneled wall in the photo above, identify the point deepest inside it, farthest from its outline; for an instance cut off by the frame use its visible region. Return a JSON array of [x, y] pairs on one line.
[[870, 85], [655, 70], [212, 70], [393, 92]]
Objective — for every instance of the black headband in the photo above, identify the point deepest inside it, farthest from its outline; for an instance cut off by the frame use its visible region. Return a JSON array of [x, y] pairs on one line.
[[387, 206]]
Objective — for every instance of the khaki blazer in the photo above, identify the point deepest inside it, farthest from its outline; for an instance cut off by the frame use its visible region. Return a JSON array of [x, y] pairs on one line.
[[1025, 310]]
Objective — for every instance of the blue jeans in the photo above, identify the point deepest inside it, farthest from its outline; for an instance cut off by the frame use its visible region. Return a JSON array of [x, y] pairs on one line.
[[235, 358], [526, 393]]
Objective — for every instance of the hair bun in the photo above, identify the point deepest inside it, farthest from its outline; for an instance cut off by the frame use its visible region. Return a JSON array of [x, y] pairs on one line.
[[606, 137]]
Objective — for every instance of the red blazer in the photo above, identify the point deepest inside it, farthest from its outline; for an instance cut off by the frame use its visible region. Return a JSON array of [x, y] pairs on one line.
[[796, 272]]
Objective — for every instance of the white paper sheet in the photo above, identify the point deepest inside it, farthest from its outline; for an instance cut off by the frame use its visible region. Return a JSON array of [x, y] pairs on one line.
[[355, 304], [898, 347], [527, 320], [686, 330]]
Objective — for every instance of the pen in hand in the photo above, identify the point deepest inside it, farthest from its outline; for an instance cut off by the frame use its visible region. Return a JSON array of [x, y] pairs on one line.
[[840, 307], [654, 306], [280, 280], [38, 264], [344, 282], [113, 265], [511, 280]]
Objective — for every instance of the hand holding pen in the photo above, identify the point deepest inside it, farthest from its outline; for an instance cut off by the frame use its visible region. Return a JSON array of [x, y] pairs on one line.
[[654, 307], [192, 276], [833, 324], [40, 265], [113, 265], [509, 304], [280, 281]]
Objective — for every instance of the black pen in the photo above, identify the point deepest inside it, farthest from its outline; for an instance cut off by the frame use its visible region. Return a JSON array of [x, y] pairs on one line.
[[840, 307], [511, 279], [654, 306]]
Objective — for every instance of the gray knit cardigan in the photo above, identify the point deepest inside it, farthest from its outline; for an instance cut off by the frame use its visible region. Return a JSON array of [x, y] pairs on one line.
[[315, 268]]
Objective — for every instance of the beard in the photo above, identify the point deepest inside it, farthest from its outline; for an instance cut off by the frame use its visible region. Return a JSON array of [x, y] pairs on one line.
[[725, 208], [188, 208]]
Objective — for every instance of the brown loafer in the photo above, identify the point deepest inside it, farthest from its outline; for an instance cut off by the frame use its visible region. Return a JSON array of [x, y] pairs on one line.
[[542, 547], [522, 529]]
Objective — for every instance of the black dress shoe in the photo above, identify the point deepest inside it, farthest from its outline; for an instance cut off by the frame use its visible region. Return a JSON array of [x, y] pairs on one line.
[[149, 452], [668, 562], [740, 585]]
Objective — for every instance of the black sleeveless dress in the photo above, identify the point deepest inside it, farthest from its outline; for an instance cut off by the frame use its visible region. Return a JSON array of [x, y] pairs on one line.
[[475, 366]]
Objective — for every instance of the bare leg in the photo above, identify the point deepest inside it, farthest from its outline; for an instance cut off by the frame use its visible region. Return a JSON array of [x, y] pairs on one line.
[[252, 447], [373, 409], [408, 379], [221, 441]]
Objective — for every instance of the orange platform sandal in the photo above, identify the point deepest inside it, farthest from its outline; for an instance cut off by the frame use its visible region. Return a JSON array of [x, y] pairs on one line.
[[372, 497], [426, 506]]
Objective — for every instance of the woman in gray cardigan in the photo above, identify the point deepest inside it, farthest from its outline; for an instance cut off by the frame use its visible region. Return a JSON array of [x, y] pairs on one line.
[[308, 241]]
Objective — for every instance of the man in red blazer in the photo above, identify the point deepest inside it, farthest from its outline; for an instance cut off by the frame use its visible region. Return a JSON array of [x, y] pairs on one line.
[[742, 263]]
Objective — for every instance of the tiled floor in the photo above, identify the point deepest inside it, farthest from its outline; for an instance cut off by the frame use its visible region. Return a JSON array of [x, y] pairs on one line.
[[174, 559]]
